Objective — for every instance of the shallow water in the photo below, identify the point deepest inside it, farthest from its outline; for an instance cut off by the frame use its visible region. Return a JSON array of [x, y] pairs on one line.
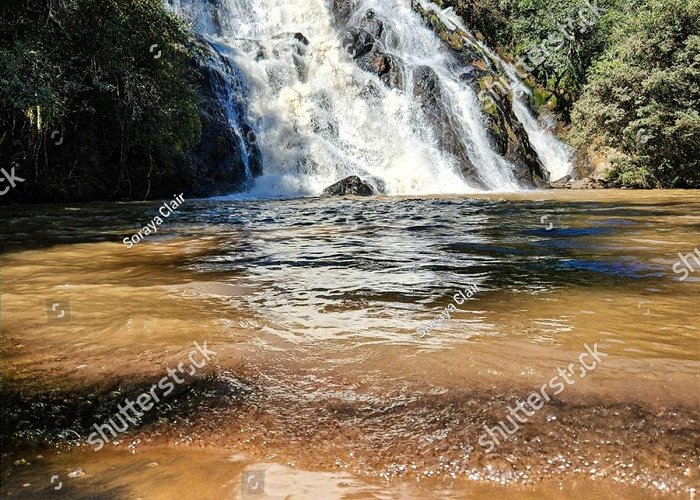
[[324, 375]]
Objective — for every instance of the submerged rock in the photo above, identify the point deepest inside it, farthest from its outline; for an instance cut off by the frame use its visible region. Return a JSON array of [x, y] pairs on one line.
[[352, 185]]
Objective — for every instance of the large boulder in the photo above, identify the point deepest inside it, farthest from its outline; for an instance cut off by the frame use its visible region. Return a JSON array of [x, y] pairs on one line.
[[350, 186], [363, 41]]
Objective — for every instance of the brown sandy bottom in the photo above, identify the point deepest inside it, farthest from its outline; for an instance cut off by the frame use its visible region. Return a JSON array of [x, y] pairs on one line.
[[319, 437]]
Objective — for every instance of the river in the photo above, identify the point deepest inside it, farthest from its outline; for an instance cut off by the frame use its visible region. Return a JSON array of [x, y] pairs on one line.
[[326, 382]]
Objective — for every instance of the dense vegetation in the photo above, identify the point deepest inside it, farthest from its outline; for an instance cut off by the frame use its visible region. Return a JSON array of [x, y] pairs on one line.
[[643, 97], [624, 73], [97, 98]]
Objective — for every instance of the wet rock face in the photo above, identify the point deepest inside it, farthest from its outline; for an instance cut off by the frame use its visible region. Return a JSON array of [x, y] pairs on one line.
[[352, 185], [215, 165], [511, 141], [426, 87], [362, 40], [507, 134], [358, 41]]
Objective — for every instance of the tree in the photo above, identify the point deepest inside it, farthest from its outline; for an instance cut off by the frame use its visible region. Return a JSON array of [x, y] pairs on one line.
[[97, 96], [643, 97]]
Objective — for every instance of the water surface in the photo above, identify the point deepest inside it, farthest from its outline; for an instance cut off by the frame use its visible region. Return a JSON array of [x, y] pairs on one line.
[[322, 378]]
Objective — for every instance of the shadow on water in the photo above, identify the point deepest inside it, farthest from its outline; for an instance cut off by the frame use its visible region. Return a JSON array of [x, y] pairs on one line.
[[68, 417]]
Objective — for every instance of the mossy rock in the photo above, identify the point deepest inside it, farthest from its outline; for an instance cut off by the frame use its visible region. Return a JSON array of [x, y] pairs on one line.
[[456, 41]]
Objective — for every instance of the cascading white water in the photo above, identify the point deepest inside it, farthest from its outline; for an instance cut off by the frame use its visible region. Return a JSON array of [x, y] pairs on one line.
[[318, 117], [554, 154]]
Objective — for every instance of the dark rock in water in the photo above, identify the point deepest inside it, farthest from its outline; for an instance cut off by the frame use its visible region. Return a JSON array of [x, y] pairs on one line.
[[563, 183], [301, 38], [290, 35], [470, 74], [352, 185], [342, 10], [363, 42], [382, 65], [357, 41]]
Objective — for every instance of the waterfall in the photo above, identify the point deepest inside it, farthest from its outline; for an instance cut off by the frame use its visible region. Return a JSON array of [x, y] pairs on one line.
[[554, 154], [316, 116]]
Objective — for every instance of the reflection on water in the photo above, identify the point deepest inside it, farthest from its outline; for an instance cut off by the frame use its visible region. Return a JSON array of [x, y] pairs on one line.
[[313, 306]]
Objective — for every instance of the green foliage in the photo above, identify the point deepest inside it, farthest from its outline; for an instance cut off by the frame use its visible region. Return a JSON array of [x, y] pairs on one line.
[[626, 78], [643, 96], [554, 40], [83, 71]]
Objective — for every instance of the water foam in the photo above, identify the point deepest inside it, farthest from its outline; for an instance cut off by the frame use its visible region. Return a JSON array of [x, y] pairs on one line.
[[317, 117]]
